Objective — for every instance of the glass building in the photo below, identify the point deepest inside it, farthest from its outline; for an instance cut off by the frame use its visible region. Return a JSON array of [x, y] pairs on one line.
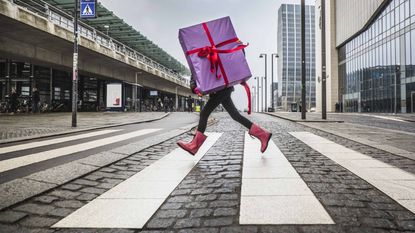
[[289, 51], [377, 68]]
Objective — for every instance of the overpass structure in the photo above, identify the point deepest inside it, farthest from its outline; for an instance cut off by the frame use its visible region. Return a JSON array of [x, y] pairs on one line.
[[36, 45]]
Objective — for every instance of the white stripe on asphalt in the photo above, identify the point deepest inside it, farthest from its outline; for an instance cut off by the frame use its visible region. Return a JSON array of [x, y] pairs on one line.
[[13, 163], [53, 141], [132, 203], [273, 192], [394, 182]]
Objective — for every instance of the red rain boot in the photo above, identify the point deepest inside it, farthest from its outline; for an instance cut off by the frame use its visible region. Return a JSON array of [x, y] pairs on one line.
[[193, 146], [263, 135]]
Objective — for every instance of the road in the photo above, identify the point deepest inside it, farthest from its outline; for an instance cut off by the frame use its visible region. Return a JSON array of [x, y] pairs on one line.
[[62, 156], [308, 180]]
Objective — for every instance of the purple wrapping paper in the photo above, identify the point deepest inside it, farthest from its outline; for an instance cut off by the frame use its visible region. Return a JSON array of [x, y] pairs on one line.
[[234, 64]]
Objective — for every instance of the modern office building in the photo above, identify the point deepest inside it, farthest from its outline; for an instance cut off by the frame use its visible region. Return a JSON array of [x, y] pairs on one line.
[[370, 55], [289, 51]]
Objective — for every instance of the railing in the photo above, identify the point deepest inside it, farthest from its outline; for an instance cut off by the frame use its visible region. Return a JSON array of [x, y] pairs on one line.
[[65, 20]]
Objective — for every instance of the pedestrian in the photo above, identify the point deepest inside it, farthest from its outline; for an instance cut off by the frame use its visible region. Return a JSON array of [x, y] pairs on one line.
[[189, 104], [35, 100], [171, 104], [166, 104], [216, 98], [14, 101]]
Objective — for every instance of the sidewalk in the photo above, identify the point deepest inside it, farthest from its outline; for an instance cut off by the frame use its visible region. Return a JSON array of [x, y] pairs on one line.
[[383, 131], [296, 117], [22, 127]]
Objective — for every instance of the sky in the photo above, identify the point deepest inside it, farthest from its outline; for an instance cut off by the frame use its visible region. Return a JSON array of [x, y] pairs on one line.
[[255, 22]]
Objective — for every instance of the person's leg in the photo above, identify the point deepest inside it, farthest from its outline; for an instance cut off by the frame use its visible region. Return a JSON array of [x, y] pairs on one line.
[[231, 109], [263, 135], [212, 103]]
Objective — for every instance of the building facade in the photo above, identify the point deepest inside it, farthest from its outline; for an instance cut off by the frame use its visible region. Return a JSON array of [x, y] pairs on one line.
[[374, 68], [289, 51]]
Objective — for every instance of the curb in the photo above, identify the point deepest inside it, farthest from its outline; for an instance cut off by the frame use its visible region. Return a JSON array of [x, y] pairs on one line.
[[78, 130], [305, 121]]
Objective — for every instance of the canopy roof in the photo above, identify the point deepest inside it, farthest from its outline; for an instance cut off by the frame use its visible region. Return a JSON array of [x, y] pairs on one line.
[[119, 30]]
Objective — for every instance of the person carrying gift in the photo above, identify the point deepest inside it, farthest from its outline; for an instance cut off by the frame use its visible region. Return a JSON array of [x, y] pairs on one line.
[[217, 60], [222, 97]]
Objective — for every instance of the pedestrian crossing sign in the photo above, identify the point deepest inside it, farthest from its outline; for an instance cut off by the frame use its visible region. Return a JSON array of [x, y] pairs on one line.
[[88, 8]]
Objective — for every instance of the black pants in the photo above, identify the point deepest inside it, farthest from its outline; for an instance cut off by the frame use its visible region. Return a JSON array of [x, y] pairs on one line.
[[224, 97]]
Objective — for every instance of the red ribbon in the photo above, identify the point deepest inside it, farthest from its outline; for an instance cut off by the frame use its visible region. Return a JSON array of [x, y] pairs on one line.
[[212, 53], [248, 93]]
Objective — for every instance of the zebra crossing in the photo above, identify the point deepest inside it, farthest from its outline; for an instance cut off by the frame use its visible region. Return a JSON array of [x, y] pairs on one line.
[[32, 158], [132, 203], [272, 192]]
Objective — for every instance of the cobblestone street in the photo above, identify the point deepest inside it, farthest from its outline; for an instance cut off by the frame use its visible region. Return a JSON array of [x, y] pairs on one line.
[[208, 198]]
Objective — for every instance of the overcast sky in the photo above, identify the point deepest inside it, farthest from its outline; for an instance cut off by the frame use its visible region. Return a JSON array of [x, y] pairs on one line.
[[255, 21]]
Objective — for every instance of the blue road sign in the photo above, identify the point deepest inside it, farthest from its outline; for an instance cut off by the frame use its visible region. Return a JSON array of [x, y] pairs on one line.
[[88, 8]]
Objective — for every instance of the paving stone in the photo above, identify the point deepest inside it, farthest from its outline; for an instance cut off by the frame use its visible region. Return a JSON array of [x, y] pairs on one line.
[[180, 199], [160, 223], [34, 221], [73, 187], [218, 222], [223, 203], [171, 213], [69, 204], [240, 229], [209, 197], [86, 197], [66, 194], [225, 212], [171, 206], [32, 208], [60, 212], [11, 216], [93, 190], [187, 223], [200, 230], [201, 213], [46, 199], [85, 182]]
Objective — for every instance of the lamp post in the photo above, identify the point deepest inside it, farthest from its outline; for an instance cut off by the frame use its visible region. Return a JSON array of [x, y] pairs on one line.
[[303, 83], [262, 94], [253, 98], [75, 67], [257, 93], [272, 79], [263, 55]]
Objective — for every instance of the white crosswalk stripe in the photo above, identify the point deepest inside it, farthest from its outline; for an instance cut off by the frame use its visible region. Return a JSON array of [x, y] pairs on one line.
[[132, 203], [53, 141], [394, 182], [273, 192], [9, 164]]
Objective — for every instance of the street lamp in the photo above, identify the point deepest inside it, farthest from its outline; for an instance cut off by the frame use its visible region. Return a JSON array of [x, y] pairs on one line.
[[107, 27], [272, 79], [253, 97], [257, 93], [261, 56], [262, 93]]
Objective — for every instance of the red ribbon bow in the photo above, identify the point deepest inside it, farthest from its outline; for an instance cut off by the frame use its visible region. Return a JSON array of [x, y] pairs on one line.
[[212, 53]]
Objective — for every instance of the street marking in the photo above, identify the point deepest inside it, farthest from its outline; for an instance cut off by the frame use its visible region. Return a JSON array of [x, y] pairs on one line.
[[13, 163], [394, 182], [131, 203], [53, 141], [273, 192]]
